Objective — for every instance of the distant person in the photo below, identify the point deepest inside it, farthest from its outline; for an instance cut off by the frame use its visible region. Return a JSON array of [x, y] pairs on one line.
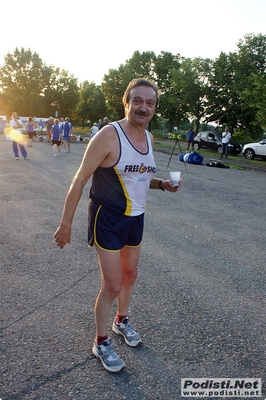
[[105, 122], [2, 125], [67, 129], [56, 137], [61, 122], [226, 136], [190, 138], [30, 130], [16, 124], [94, 129], [40, 125], [99, 122], [34, 132], [49, 125]]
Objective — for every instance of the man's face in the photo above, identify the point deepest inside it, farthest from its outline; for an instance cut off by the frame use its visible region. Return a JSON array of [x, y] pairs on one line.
[[141, 106]]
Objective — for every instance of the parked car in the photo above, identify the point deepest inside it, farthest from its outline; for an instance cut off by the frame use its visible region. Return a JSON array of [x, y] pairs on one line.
[[257, 149], [210, 140]]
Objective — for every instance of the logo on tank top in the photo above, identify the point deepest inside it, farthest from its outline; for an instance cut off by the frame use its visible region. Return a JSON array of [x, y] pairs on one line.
[[140, 168]]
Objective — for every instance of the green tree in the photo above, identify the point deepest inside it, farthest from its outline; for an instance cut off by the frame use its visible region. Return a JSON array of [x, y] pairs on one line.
[[113, 87], [140, 65], [63, 91], [233, 98], [91, 105], [165, 67], [190, 83], [31, 87], [223, 100], [257, 98], [252, 66], [21, 82]]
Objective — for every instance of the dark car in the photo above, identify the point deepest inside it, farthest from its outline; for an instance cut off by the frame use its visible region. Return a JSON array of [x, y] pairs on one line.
[[210, 140]]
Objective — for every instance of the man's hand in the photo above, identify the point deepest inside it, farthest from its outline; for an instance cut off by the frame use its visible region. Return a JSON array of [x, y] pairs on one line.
[[62, 236], [168, 186]]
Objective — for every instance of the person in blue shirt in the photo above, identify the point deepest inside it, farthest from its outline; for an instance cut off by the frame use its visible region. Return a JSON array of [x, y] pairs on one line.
[[190, 140], [67, 129], [40, 125], [56, 137]]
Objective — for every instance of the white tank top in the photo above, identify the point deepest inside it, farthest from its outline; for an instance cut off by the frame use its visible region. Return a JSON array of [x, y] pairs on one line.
[[124, 186]]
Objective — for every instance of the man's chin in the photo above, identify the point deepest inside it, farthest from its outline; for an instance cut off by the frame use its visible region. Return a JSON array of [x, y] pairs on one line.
[[144, 119]]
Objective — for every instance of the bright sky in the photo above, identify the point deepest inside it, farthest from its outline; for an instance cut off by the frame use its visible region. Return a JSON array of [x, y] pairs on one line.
[[87, 38]]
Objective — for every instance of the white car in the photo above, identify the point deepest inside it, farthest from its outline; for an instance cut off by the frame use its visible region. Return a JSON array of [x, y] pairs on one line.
[[252, 150]]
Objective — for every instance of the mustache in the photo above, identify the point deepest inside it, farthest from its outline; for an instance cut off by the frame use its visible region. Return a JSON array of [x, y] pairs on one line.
[[142, 113]]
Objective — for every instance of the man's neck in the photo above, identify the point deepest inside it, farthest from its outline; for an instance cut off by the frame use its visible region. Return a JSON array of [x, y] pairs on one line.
[[133, 129]]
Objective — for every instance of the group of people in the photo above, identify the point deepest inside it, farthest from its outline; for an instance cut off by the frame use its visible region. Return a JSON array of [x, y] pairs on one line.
[[57, 132], [60, 132]]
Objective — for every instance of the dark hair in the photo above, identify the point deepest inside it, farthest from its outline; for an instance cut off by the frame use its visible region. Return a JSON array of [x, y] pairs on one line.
[[139, 82]]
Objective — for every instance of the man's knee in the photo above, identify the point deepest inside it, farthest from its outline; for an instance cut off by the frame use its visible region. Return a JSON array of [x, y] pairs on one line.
[[129, 277], [112, 290]]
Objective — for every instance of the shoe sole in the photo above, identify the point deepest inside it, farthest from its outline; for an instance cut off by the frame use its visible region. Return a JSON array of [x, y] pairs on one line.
[[131, 344], [110, 369]]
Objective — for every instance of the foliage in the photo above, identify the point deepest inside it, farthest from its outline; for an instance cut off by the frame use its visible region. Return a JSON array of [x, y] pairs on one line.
[[32, 88], [230, 90], [235, 82], [190, 83], [165, 66], [91, 105]]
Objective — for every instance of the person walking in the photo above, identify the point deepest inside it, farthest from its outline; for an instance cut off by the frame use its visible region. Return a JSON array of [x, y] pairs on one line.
[[191, 136], [226, 136], [120, 158], [40, 125], [94, 129], [16, 124], [30, 126], [56, 138], [67, 129], [49, 125]]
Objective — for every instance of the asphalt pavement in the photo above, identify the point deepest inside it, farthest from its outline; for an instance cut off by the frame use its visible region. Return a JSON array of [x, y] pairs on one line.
[[199, 300]]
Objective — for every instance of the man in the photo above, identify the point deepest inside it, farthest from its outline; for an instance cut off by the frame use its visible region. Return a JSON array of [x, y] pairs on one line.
[[56, 137], [94, 129], [226, 136], [40, 125], [67, 129], [49, 125], [105, 122], [121, 160], [16, 124], [190, 138]]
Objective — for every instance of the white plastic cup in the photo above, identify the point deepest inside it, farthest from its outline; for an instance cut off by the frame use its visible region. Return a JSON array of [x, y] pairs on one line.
[[175, 178]]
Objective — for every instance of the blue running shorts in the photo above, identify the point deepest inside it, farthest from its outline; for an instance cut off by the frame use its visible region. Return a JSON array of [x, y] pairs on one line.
[[112, 231]]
